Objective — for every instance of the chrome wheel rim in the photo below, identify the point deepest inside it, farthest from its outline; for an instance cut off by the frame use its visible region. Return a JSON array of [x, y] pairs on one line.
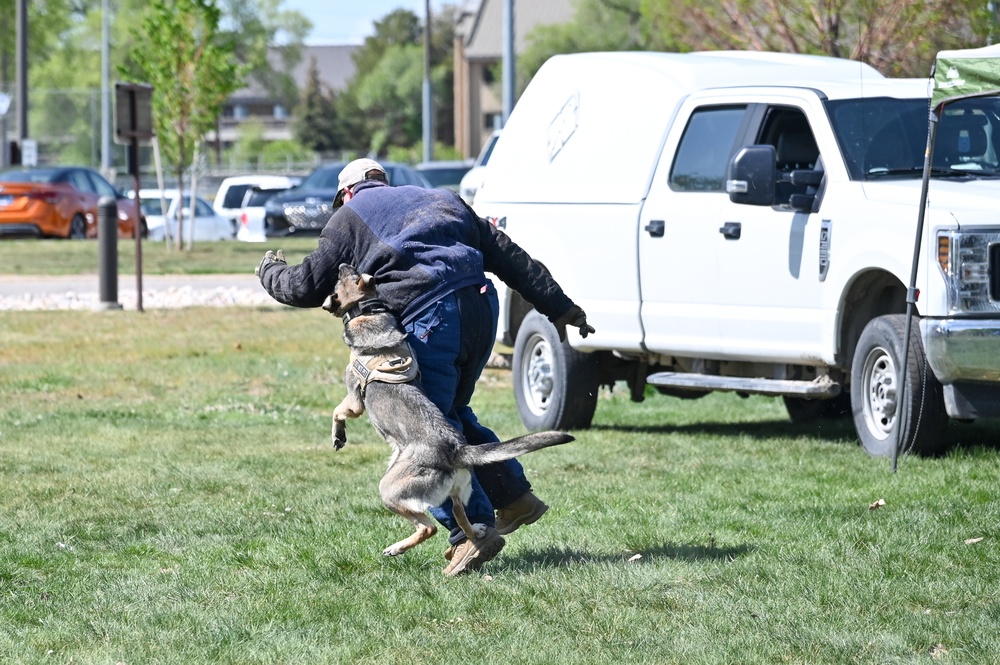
[[537, 379], [880, 404]]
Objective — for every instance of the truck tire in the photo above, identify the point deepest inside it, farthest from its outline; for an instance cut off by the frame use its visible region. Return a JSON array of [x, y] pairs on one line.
[[555, 386], [874, 391]]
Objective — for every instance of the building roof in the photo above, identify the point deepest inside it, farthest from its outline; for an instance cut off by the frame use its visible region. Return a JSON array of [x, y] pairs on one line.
[[335, 65], [484, 38]]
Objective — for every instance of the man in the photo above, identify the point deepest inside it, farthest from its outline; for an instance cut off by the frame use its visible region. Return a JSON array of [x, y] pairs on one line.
[[428, 252]]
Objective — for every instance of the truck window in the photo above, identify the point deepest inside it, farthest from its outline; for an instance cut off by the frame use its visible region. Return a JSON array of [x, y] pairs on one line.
[[705, 149], [794, 145]]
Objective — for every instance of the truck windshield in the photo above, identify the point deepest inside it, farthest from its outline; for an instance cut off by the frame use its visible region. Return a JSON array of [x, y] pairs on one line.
[[882, 137]]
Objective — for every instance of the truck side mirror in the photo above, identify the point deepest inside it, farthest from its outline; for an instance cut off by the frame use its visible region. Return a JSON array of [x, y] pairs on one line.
[[752, 176]]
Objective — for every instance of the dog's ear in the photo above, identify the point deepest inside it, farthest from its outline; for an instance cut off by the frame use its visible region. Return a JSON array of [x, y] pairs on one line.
[[365, 279], [347, 270]]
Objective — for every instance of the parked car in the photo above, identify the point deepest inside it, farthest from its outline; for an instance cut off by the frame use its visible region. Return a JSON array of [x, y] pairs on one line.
[[208, 225], [306, 208], [472, 180], [251, 221], [229, 199], [446, 174], [60, 202]]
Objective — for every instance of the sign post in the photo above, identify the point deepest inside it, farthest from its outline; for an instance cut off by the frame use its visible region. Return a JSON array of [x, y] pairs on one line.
[[4, 148], [134, 124]]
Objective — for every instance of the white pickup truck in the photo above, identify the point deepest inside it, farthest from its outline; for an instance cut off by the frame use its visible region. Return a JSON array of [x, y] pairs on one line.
[[746, 222]]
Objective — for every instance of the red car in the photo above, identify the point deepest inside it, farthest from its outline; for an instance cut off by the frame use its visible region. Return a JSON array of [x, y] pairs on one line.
[[61, 202]]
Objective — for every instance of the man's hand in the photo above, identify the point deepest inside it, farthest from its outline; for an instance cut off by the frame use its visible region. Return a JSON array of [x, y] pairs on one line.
[[269, 258], [575, 317]]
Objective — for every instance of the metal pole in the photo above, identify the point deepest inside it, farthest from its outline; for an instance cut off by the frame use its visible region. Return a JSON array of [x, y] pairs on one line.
[[428, 108], [508, 59], [105, 91], [911, 292], [21, 66], [107, 251]]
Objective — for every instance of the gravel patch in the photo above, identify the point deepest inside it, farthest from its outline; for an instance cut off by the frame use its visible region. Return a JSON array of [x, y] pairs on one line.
[[158, 292]]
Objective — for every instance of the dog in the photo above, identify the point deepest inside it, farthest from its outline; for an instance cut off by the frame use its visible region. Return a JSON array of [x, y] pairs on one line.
[[430, 459]]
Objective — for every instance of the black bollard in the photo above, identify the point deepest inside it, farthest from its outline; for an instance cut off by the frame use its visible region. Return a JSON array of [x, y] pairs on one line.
[[107, 251]]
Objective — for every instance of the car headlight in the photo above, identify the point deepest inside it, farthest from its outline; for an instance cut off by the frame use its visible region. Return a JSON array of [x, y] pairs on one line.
[[970, 263]]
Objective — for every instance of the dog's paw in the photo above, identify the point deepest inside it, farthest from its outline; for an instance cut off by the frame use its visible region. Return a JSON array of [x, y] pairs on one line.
[[479, 529], [339, 435], [392, 550]]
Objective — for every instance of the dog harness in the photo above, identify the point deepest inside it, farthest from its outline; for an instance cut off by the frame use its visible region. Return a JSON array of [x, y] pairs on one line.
[[397, 365]]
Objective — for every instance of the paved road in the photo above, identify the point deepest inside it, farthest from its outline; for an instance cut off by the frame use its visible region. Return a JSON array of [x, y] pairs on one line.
[[19, 292]]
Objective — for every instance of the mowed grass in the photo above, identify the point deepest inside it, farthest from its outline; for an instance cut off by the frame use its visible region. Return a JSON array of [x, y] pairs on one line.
[[169, 494], [76, 257]]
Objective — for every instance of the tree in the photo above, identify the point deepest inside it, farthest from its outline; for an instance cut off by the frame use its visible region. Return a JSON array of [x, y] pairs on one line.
[[192, 71], [382, 106], [597, 25], [316, 123], [898, 37]]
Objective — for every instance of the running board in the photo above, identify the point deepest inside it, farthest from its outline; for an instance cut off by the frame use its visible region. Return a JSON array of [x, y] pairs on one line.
[[819, 388]]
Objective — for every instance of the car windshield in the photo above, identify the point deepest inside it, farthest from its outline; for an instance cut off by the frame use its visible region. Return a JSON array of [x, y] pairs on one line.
[[885, 137], [441, 176], [152, 206], [33, 175], [256, 198], [325, 177]]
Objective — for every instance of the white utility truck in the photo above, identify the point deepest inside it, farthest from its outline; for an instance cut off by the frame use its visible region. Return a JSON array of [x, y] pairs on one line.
[[746, 222]]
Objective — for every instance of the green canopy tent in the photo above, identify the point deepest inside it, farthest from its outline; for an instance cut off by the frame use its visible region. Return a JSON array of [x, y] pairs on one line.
[[956, 75]]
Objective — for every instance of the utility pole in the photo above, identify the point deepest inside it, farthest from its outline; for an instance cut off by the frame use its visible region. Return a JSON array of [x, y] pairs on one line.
[[21, 65], [508, 59], [428, 105], [105, 90]]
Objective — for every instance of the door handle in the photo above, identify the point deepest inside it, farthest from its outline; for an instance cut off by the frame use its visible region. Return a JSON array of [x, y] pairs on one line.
[[731, 230], [655, 228]]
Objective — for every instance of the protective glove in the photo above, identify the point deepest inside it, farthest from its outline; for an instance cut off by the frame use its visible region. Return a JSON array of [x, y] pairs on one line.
[[575, 317], [269, 258]]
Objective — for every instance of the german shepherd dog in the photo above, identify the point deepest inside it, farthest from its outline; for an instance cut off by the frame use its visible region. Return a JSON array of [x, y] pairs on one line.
[[430, 460]]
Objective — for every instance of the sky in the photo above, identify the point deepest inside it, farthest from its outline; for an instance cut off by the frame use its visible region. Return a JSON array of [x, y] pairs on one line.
[[350, 21]]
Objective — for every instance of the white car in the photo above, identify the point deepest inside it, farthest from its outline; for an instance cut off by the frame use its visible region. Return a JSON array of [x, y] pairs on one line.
[[472, 180], [229, 198], [251, 219], [208, 225]]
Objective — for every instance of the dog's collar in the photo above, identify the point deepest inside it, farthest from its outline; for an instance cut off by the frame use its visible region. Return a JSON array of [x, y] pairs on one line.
[[365, 307]]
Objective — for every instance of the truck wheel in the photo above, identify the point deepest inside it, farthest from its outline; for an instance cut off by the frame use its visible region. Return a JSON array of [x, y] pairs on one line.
[[874, 391], [555, 387]]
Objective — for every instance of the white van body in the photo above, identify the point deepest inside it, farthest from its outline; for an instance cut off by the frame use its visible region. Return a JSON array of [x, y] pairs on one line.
[[691, 289]]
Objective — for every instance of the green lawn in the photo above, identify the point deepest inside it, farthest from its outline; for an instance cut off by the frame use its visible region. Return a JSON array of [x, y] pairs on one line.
[[75, 257], [169, 494]]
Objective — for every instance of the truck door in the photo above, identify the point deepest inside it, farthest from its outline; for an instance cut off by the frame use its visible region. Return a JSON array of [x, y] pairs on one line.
[[770, 294], [678, 231]]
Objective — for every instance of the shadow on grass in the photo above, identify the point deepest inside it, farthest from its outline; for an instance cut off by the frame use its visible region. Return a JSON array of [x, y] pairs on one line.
[[557, 557], [979, 436], [827, 429]]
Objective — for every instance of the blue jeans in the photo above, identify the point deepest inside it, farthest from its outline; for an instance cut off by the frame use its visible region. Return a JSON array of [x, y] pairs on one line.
[[452, 341]]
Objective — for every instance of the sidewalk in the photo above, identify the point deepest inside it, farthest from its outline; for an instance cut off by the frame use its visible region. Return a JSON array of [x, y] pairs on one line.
[[39, 292]]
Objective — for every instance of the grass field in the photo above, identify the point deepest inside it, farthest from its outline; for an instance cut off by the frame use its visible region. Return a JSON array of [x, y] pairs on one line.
[[169, 495], [66, 257]]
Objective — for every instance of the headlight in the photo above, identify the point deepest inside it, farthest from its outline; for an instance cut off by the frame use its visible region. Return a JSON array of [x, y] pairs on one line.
[[970, 263]]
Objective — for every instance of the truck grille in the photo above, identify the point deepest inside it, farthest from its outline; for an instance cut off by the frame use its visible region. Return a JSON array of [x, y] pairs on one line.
[[308, 216], [995, 271]]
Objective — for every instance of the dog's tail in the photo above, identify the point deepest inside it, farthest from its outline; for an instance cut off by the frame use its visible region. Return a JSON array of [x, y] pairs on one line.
[[488, 453]]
